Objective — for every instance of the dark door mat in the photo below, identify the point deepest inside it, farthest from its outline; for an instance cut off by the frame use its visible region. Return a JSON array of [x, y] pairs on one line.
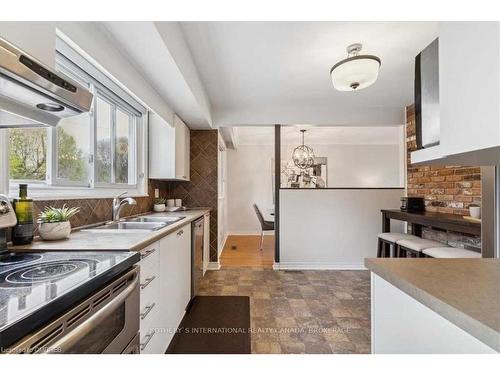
[[214, 325]]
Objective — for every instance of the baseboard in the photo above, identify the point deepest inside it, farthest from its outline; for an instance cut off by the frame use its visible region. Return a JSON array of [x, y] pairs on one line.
[[317, 266], [213, 266]]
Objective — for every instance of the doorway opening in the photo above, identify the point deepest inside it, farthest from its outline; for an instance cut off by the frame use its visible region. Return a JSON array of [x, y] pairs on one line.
[[248, 202]]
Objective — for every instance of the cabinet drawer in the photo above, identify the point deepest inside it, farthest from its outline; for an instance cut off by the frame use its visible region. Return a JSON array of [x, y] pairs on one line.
[[150, 259], [149, 297], [152, 338]]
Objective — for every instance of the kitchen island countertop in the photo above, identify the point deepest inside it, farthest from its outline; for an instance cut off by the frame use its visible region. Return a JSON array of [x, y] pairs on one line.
[[82, 240], [466, 292]]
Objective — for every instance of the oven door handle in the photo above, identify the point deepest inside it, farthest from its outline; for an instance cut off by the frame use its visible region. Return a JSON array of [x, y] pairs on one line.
[[67, 341]]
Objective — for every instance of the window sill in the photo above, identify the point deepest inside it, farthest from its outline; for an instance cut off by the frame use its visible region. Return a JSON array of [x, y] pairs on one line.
[[42, 193]]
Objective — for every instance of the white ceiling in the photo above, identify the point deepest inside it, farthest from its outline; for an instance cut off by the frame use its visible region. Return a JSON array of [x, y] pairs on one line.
[[158, 51], [278, 72], [319, 135]]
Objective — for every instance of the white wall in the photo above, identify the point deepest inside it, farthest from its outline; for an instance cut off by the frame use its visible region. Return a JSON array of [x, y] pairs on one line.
[[249, 181], [332, 229], [353, 165]]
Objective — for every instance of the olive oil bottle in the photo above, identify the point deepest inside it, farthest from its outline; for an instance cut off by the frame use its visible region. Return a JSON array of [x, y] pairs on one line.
[[22, 233]]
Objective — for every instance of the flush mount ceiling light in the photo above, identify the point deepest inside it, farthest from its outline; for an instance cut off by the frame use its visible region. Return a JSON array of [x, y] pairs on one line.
[[303, 156], [356, 72]]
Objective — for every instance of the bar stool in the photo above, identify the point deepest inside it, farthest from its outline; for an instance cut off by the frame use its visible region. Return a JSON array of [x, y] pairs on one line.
[[415, 246], [390, 239], [450, 252]]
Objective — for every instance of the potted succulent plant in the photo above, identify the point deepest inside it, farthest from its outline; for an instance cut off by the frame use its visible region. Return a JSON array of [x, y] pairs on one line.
[[159, 205], [53, 223]]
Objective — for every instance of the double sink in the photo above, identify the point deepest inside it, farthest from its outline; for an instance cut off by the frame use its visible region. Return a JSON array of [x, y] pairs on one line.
[[140, 223]]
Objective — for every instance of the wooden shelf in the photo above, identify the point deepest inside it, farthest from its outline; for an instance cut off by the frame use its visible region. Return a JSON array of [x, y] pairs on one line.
[[439, 220]]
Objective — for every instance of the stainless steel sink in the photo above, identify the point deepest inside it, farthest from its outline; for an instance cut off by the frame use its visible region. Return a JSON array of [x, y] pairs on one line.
[[157, 219], [130, 226]]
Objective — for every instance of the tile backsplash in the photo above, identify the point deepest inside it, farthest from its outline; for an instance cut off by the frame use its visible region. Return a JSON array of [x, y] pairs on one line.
[[94, 211]]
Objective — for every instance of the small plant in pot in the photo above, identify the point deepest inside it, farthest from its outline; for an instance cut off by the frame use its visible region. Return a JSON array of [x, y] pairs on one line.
[[159, 205], [53, 223]]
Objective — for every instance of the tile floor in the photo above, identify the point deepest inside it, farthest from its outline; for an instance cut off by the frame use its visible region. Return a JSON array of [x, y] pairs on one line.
[[300, 311]]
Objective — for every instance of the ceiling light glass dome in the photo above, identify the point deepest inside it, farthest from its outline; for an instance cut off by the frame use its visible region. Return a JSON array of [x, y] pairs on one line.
[[356, 72]]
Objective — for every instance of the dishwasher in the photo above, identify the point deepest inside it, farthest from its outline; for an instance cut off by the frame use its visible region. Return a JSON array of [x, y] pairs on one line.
[[197, 250]]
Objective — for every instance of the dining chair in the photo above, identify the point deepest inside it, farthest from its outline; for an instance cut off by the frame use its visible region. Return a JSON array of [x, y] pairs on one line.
[[264, 225]]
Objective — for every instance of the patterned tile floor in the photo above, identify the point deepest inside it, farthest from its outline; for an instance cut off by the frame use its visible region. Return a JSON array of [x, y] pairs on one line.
[[300, 311]]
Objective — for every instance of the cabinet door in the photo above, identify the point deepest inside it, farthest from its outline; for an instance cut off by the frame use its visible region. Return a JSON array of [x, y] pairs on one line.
[[469, 86], [161, 148], [182, 144], [175, 278]]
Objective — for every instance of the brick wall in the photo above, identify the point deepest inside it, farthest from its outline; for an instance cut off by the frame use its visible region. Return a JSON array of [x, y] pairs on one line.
[[449, 189]]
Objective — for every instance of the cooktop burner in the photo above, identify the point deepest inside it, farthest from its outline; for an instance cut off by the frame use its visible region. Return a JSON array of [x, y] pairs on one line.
[[46, 271], [10, 259]]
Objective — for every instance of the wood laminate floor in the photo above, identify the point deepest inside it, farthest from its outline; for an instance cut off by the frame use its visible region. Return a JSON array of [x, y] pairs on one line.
[[300, 311], [243, 251]]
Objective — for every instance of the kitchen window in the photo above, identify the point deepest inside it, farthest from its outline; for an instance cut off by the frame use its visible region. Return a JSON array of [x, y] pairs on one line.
[[99, 153]]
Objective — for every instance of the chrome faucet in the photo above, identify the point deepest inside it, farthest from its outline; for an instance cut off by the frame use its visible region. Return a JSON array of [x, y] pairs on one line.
[[118, 205]]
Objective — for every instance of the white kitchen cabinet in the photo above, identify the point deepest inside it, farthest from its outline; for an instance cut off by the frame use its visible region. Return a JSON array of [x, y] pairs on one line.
[[175, 282], [182, 144], [469, 84], [36, 38], [469, 95], [168, 149]]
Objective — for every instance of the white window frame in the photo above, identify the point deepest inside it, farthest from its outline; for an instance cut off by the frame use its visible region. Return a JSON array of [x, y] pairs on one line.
[[58, 189]]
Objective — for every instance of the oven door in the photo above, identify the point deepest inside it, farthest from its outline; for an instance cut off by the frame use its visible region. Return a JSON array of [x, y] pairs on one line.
[[107, 322]]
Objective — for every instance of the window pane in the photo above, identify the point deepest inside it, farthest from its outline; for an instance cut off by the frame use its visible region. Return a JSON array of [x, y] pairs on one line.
[[28, 154], [73, 148], [121, 150], [103, 154]]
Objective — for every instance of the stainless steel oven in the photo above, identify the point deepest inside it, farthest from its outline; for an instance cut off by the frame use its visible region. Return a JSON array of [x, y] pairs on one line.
[[106, 322]]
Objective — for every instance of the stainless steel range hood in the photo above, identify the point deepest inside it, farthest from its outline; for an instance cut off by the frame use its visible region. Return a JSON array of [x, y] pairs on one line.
[[32, 94]]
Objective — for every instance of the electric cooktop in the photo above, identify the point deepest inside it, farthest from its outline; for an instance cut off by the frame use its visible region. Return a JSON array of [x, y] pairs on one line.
[[36, 287]]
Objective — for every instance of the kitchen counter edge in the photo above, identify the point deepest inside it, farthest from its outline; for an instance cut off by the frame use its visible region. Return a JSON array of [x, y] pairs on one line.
[[471, 325], [143, 239]]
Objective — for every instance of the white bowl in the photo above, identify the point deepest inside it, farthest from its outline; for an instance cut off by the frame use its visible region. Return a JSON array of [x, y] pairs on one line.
[[54, 231], [159, 207]]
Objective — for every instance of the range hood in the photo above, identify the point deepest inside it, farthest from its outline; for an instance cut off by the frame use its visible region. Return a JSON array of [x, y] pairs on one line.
[[32, 94]]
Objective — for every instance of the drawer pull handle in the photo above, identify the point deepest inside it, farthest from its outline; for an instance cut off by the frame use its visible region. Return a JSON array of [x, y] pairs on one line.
[[180, 233], [147, 253], [147, 310], [149, 336], [147, 282]]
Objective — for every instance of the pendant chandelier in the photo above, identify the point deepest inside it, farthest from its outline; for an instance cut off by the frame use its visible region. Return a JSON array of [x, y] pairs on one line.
[[356, 72], [303, 156]]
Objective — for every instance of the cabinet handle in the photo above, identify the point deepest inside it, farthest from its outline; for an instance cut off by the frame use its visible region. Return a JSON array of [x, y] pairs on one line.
[[147, 282], [147, 253], [184, 177], [147, 310], [180, 233], [149, 336]]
